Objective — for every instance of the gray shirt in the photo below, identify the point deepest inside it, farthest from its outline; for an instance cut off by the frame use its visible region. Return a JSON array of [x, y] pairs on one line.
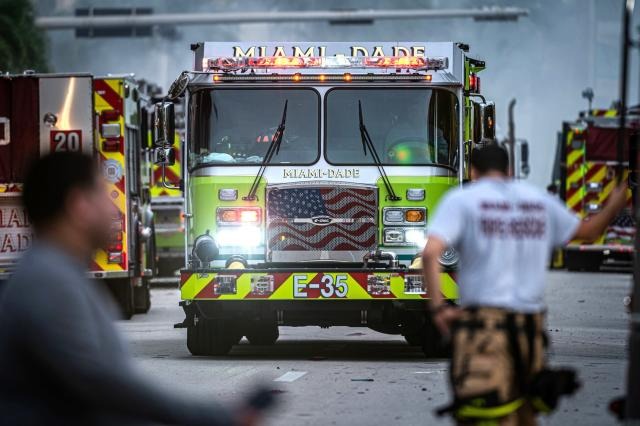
[[62, 360]]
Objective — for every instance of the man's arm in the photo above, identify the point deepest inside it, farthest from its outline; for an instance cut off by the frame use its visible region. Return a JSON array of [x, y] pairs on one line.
[[67, 336], [443, 313], [592, 228], [431, 270], [445, 229]]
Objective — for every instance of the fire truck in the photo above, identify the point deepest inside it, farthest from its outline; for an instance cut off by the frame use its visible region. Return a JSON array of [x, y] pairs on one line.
[[310, 172], [584, 175], [42, 113]]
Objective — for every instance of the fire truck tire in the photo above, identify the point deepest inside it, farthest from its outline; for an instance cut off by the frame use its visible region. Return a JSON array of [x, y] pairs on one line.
[[142, 298], [414, 339], [582, 261], [210, 338], [122, 291], [433, 345], [152, 252], [263, 334]]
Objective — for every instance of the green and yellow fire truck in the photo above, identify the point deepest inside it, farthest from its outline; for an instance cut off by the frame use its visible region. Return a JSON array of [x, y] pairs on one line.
[[310, 172]]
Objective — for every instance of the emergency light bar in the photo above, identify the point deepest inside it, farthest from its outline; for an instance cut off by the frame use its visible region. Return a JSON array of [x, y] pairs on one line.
[[325, 62], [346, 77]]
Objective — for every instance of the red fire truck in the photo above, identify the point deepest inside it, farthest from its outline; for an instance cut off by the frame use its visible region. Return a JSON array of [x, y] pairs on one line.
[[583, 176], [42, 113]]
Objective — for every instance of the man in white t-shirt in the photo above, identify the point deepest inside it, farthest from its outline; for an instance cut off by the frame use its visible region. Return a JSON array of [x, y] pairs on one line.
[[504, 232]]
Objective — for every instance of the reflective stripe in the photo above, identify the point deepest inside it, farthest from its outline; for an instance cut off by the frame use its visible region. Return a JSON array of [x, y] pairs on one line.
[[108, 95], [540, 405], [576, 170], [473, 412], [200, 286]]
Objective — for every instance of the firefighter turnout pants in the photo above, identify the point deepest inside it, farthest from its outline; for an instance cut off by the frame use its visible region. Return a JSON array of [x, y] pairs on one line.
[[496, 354]]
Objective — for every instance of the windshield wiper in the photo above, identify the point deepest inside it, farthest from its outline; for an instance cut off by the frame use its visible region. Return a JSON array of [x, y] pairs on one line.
[[367, 143], [274, 147]]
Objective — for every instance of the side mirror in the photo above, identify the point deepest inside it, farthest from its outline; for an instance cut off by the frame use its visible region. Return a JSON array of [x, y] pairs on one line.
[[164, 156], [524, 169], [164, 128], [488, 121], [477, 122]]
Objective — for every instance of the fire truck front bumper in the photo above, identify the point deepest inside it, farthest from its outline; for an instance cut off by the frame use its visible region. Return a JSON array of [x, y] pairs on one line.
[[307, 285]]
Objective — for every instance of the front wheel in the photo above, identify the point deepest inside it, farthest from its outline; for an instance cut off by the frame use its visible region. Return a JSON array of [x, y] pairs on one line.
[[433, 345], [210, 337], [142, 297], [263, 334], [414, 339], [583, 260], [123, 293]]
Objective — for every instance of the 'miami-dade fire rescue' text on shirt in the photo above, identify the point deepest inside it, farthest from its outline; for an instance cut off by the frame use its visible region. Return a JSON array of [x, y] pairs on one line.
[[529, 223]]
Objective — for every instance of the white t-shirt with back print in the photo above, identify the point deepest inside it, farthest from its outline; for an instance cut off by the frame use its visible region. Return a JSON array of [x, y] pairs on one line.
[[504, 232]]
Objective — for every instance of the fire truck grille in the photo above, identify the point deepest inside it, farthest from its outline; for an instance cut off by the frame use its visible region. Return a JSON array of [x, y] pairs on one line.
[[321, 222]]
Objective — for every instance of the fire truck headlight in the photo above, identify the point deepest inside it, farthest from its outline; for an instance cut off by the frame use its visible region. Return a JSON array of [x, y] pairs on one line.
[[449, 258], [239, 236], [415, 236], [205, 248]]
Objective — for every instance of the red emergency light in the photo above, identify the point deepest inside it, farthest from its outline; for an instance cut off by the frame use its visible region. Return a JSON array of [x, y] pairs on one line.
[[397, 62], [474, 83], [239, 215], [110, 115], [284, 62], [111, 145]]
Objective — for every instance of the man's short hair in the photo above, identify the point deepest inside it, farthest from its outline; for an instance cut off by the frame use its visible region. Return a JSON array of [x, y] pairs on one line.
[[49, 182], [490, 158]]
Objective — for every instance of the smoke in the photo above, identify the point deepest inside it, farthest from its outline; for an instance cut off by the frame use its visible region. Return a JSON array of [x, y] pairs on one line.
[[544, 60]]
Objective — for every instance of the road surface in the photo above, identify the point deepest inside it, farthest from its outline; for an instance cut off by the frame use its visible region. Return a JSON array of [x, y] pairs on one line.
[[355, 376]]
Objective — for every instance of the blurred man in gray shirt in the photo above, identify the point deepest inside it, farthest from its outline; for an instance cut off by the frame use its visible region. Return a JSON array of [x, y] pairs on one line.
[[61, 359]]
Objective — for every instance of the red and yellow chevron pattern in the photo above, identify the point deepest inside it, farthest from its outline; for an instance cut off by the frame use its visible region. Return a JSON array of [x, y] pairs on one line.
[[109, 96], [588, 183], [575, 146], [304, 285]]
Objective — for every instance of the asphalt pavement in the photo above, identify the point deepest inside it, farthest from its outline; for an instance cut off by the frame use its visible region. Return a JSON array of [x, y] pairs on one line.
[[355, 376]]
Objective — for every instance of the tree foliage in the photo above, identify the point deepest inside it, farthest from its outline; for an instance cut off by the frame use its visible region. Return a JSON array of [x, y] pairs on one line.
[[22, 44]]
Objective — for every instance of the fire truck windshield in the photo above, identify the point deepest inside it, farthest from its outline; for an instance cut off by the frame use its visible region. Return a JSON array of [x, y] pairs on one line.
[[408, 126], [236, 126]]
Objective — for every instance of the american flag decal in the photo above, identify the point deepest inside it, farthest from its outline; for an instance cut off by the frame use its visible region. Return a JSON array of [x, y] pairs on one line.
[[622, 230], [323, 218]]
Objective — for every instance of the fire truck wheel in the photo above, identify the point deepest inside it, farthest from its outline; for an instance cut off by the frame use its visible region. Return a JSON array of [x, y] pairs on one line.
[[433, 345], [142, 297], [263, 334], [582, 261], [414, 339], [122, 291], [210, 338]]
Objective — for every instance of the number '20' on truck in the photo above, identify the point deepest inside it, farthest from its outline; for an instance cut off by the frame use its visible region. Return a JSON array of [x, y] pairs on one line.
[[104, 118]]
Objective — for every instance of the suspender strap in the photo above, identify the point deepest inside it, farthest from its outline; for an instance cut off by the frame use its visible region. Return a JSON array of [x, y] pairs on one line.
[[531, 329], [516, 350]]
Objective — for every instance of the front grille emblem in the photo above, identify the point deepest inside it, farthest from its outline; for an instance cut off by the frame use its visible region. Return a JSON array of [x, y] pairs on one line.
[[321, 220]]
